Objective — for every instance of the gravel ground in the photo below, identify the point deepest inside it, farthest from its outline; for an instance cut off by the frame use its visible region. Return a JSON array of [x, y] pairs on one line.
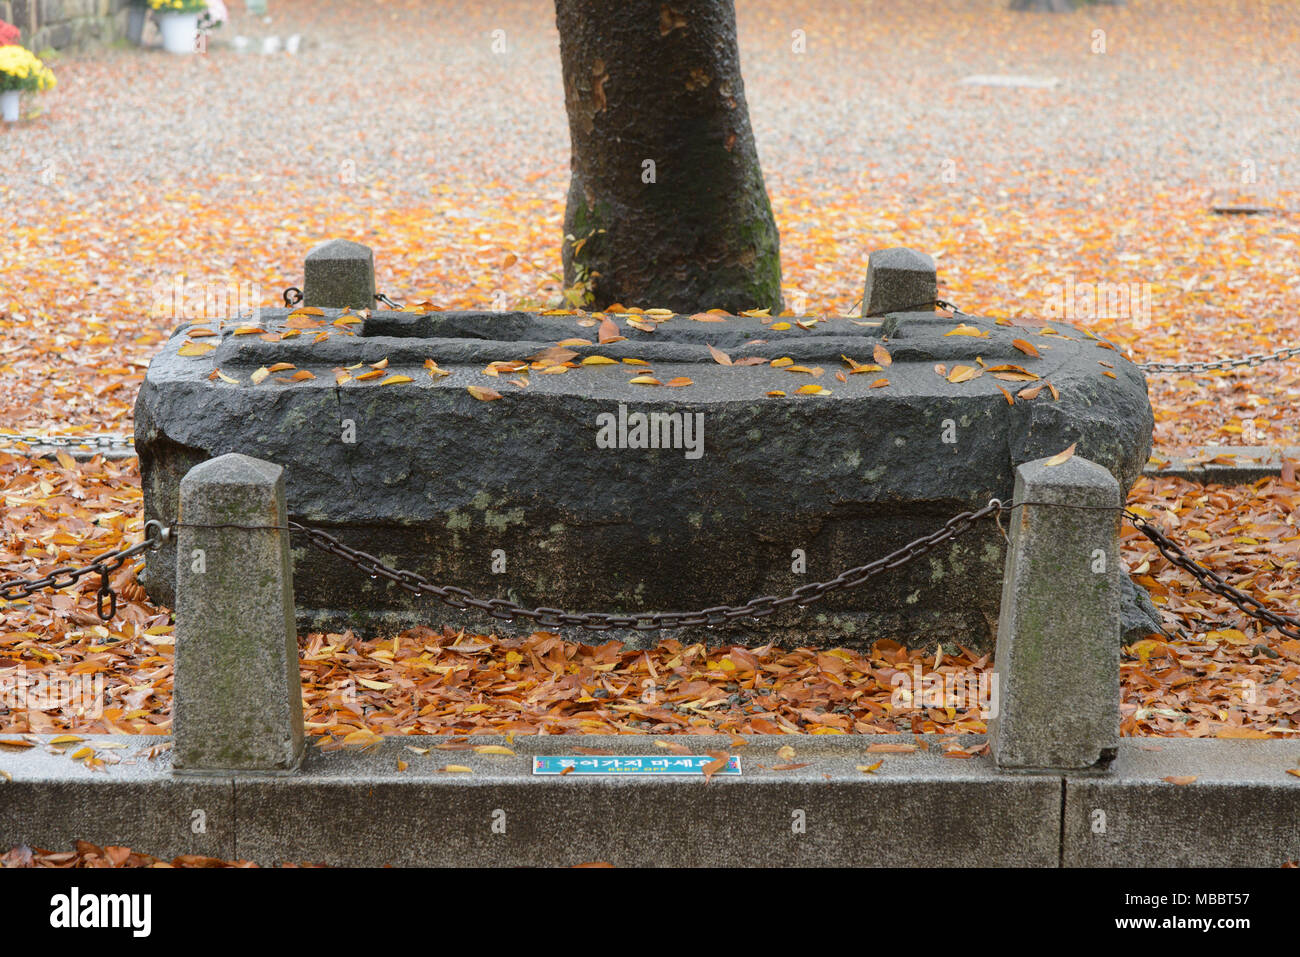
[[396, 124]]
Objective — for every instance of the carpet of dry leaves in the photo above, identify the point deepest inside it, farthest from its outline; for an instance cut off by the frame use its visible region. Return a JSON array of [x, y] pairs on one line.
[[85, 854], [451, 161]]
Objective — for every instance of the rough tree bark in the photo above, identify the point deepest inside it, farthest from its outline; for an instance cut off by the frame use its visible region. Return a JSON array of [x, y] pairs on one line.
[[666, 202]]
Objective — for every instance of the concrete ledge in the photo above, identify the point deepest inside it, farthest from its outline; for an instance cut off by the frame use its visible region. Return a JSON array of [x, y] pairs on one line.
[[1243, 809], [919, 809], [52, 801], [1224, 464], [357, 808]]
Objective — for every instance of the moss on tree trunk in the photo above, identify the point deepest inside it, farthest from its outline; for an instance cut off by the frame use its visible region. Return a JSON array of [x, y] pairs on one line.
[[666, 203]]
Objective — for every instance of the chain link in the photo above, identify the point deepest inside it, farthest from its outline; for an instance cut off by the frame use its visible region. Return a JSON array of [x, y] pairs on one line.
[[157, 534], [67, 441], [1215, 365], [1178, 557], [103, 565], [916, 307], [546, 617]]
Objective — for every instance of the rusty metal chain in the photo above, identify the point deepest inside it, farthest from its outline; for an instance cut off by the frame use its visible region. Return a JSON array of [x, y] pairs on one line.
[[155, 534], [755, 608], [916, 307], [1179, 558], [1215, 365]]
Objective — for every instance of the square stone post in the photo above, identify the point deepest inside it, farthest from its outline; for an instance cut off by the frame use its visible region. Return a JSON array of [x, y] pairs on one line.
[[1057, 658], [238, 691], [339, 274], [899, 280]]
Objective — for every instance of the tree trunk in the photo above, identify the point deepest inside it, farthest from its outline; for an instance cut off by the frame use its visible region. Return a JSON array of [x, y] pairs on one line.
[[666, 201]]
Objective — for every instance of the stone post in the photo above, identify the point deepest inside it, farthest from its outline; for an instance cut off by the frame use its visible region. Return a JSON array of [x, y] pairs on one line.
[[238, 692], [899, 280], [339, 274], [136, 16], [1057, 658]]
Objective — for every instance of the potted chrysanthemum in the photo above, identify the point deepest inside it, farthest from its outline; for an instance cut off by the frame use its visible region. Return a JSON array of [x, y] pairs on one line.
[[179, 22], [20, 70]]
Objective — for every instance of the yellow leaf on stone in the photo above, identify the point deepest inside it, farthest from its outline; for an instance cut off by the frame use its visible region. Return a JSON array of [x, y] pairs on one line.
[[195, 349], [396, 380], [1060, 458], [493, 749], [964, 330]]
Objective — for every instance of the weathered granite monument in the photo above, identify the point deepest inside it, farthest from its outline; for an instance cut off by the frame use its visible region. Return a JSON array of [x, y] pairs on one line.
[[640, 462]]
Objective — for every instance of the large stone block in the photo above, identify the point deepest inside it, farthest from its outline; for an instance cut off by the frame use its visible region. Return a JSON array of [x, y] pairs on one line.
[[427, 477], [238, 697]]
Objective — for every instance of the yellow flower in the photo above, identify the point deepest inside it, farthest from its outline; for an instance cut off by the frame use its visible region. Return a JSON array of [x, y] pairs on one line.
[[20, 69]]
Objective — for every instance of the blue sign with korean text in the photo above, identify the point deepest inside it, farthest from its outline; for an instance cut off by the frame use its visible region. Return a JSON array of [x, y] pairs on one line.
[[691, 764]]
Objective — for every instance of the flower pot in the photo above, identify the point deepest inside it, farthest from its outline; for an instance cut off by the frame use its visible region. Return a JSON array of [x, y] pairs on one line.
[[9, 105], [180, 32]]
